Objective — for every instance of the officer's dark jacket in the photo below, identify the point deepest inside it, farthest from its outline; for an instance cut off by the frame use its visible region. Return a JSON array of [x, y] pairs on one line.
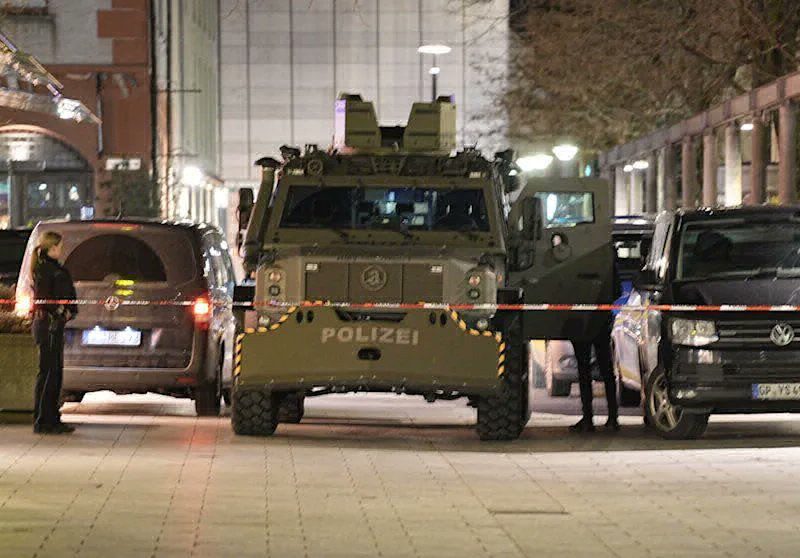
[[51, 281]]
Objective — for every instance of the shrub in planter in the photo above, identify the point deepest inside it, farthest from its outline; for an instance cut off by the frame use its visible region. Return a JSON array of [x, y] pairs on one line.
[[19, 362]]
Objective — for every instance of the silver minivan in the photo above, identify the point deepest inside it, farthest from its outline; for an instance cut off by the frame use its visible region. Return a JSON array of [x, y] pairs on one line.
[[158, 314]]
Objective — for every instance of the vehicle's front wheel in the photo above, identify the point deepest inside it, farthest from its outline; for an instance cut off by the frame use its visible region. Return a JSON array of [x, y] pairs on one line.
[[254, 412], [670, 421], [292, 408], [504, 414]]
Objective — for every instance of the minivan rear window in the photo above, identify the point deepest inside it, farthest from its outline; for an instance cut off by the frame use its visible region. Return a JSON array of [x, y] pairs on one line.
[[117, 255]]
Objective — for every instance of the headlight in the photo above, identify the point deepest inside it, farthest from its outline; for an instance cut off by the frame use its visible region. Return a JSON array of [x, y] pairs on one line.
[[274, 290], [482, 324], [474, 280], [694, 333], [474, 294], [274, 276]]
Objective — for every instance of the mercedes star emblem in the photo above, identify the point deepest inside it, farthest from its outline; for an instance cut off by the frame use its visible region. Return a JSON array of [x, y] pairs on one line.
[[782, 334], [112, 303]]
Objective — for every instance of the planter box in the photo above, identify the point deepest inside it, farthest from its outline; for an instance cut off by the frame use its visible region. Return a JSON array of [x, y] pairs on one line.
[[19, 364]]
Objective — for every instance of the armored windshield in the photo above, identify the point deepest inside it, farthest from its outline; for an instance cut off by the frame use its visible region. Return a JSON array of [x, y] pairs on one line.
[[411, 208]]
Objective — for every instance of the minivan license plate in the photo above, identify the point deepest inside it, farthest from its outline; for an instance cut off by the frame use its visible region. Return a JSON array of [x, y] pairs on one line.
[[776, 391], [112, 338]]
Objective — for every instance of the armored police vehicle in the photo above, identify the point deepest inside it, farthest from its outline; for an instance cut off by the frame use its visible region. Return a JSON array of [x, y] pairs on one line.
[[379, 265]]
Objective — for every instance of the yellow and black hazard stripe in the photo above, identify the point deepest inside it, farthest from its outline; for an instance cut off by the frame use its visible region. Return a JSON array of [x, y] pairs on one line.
[[272, 327], [237, 355]]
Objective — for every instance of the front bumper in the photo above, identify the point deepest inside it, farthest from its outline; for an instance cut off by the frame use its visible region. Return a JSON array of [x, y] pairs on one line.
[[720, 381], [419, 351]]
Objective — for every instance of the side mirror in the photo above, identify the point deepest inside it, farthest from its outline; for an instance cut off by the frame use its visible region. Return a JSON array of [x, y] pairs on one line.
[[245, 207], [532, 219], [243, 212], [647, 280]]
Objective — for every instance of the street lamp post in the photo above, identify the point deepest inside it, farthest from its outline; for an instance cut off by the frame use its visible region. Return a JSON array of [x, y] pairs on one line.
[[434, 50]]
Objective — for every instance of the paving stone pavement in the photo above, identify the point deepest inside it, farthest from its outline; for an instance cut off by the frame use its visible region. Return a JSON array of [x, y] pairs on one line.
[[392, 476]]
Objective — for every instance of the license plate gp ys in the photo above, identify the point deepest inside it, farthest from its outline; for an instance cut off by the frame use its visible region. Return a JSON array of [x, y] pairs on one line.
[[776, 392]]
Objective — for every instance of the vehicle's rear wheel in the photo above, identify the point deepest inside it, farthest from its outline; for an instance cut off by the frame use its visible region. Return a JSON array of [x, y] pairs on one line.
[[504, 414], [292, 408], [208, 393], [557, 388], [72, 396], [670, 421], [627, 397], [254, 412]]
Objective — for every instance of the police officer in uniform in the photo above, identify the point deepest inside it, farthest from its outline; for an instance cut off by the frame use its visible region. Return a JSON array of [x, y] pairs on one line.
[[51, 282]]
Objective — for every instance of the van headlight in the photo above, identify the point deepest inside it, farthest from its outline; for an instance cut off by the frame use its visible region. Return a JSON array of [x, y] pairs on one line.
[[694, 333]]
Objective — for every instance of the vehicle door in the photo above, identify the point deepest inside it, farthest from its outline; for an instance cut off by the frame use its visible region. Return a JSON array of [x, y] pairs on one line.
[[565, 257]]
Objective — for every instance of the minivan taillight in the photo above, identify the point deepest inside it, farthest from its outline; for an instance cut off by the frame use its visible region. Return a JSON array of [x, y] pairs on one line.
[[202, 311]]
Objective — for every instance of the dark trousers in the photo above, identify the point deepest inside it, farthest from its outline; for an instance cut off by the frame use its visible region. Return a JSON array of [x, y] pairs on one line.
[[583, 354], [49, 379]]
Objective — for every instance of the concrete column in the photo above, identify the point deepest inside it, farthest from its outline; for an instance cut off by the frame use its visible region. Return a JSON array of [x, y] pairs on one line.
[[758, 162], [710, 165], [637, 203], [688, 173], [733, 165], [651, 186], [670, 184], [620, 191], [787, 149]]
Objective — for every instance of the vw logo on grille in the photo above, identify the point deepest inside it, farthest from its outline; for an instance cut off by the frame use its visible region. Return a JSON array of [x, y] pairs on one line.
[[782, 334], [112, 303], [373, 278]]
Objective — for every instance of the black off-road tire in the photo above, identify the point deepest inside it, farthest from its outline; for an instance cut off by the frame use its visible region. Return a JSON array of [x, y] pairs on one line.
[[292, 408], [503, 415], [670, 421], [254, 412]]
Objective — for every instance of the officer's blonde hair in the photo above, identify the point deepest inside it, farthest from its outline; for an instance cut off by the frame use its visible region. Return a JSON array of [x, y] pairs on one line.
[[48, 240]]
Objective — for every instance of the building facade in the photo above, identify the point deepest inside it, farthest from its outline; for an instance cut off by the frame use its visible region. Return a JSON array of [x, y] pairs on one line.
[[149, 70], [188, 114], [285, 61]]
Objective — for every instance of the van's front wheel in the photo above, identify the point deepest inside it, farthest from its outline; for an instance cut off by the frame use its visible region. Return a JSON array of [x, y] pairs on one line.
[[670, 421]]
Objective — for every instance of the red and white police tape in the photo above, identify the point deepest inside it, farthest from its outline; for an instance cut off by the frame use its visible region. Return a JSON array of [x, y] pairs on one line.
[[116, 302]]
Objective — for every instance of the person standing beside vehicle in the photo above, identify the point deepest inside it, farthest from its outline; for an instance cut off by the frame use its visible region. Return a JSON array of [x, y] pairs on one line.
[[52, 283], [583, 356]]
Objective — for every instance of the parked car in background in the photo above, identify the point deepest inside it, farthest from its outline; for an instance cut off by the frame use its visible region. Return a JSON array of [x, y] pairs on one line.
[[182, 348], [632, 236], [692, 364], [12, 250]]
